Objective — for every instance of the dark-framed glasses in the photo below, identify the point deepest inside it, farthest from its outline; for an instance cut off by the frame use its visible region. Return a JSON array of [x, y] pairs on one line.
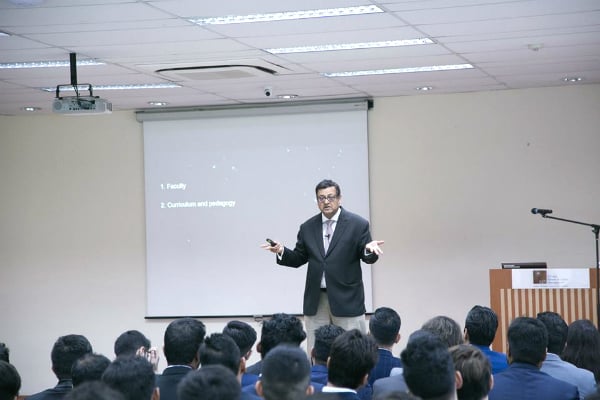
[[330, 198]]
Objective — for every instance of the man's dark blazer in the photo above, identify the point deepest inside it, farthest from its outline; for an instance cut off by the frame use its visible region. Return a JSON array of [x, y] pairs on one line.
[[341, 264], [385, 363], [334, 396], [59, 391], [522, 381], [167, 382]]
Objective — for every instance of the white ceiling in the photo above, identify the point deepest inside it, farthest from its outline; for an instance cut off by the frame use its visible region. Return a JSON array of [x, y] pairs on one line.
[[136, 38]]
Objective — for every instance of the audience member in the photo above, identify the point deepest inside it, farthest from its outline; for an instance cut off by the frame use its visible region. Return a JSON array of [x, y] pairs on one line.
[[583, 346], [324, 337], [4, 353], [182, 341], [66, 350], [447, 329], [428, 368], [475, 370], [353, 355], [133, 376], [211, 382], [281, 328], [244, 336], [523, 380], [90, 367], [220, 349], [94, 390], [285, 375], [384, 327], [10, 381], [481, 325], [553, 365], [134, 343]]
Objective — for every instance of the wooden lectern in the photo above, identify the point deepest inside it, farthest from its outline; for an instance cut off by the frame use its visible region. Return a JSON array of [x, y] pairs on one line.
[[509, 303]]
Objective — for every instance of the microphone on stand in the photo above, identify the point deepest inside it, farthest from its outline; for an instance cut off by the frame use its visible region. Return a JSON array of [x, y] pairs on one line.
[[541, 211]]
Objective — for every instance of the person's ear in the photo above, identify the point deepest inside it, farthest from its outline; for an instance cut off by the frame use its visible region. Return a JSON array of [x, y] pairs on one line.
[[242, 368], [259, 388], [310, 390], [459, 379], [397, 338], [466, 335], [365, 380], [259, 348]]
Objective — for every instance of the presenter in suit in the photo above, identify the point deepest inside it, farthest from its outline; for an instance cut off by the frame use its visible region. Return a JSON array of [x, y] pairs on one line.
[[333, 243]]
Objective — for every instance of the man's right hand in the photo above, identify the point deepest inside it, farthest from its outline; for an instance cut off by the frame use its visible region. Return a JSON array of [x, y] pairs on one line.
[[277, 249]]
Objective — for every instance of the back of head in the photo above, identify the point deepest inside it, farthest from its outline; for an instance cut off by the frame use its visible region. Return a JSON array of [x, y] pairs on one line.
[[428, 368], [209, 383], [4, 353], [66, 350], [94, 390], [243, 335], [281, 328], [583, 346], [129, 342], [10, 381], [481, 325], [353, 355], [384, 326], [476, 371], [182, 341], [557, 331], [446, 329], [285, 374], [527, 341], [220, 349], [90, 367], [132, 376], [324, 337]]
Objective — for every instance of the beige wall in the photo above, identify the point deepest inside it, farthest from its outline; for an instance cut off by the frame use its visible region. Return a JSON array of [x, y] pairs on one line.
[[453, 178]]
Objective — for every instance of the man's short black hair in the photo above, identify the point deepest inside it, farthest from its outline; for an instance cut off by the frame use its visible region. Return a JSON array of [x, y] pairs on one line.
[[281, 328], [557, 331], [220, 349], [446, 329], [327, 183], [209, 383], [66, 350], [4, 353], [481, 325], [285, 373], [10, 381], [90, 367], [428, 368], [129, 342], [384, 326], [182, 340], [527, 340], [94, 390], [353, 355], [242, 333], [324, 337], [133, 376], [476, 371]]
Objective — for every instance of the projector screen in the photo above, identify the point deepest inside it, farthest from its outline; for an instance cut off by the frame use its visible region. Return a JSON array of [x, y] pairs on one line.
[[218, 183]]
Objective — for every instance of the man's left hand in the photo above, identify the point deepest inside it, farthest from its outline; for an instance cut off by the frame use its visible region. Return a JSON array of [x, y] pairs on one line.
[[373, 247]]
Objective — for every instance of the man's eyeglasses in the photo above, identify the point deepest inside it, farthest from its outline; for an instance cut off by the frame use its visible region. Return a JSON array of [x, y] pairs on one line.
[[329, 198]]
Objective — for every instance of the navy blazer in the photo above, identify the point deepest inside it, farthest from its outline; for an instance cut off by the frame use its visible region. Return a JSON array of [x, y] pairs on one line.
[[385, 363], [521, 381], [341, 264], [170, 378], [63, 387]]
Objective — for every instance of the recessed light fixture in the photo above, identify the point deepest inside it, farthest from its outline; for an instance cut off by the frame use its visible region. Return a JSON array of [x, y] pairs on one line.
[[287, 96], [158, 103], [430, 68], [572, 79], [287, 15], [118, 87], [350, 46], [424, 88], [48, 64], [31, 108]]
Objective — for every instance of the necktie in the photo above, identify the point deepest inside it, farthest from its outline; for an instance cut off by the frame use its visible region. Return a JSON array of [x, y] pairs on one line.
[[328, 234]]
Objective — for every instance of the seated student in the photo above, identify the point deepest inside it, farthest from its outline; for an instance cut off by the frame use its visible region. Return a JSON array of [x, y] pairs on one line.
[[94, 390], [133, 377], [557, 337], [90, 367], [481, 325], [281, 328], [353, 355], [475, 370], [324, 337], [10, 381], [182, 340], [285, 375], [220, 349], [384, 326], [211, 382], [244, 336], [583, 346], [428, 368], [447, 329], [523, 380], [133, 342], [66, 350]]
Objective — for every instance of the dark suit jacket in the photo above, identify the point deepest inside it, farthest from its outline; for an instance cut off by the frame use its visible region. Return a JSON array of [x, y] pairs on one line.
[[57, 392], [341, 264], [522, 381], [167, 382], [333, 396], [385, 363]]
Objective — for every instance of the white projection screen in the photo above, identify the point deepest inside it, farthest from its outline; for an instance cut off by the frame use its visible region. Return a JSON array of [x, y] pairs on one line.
[[219, 182]]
